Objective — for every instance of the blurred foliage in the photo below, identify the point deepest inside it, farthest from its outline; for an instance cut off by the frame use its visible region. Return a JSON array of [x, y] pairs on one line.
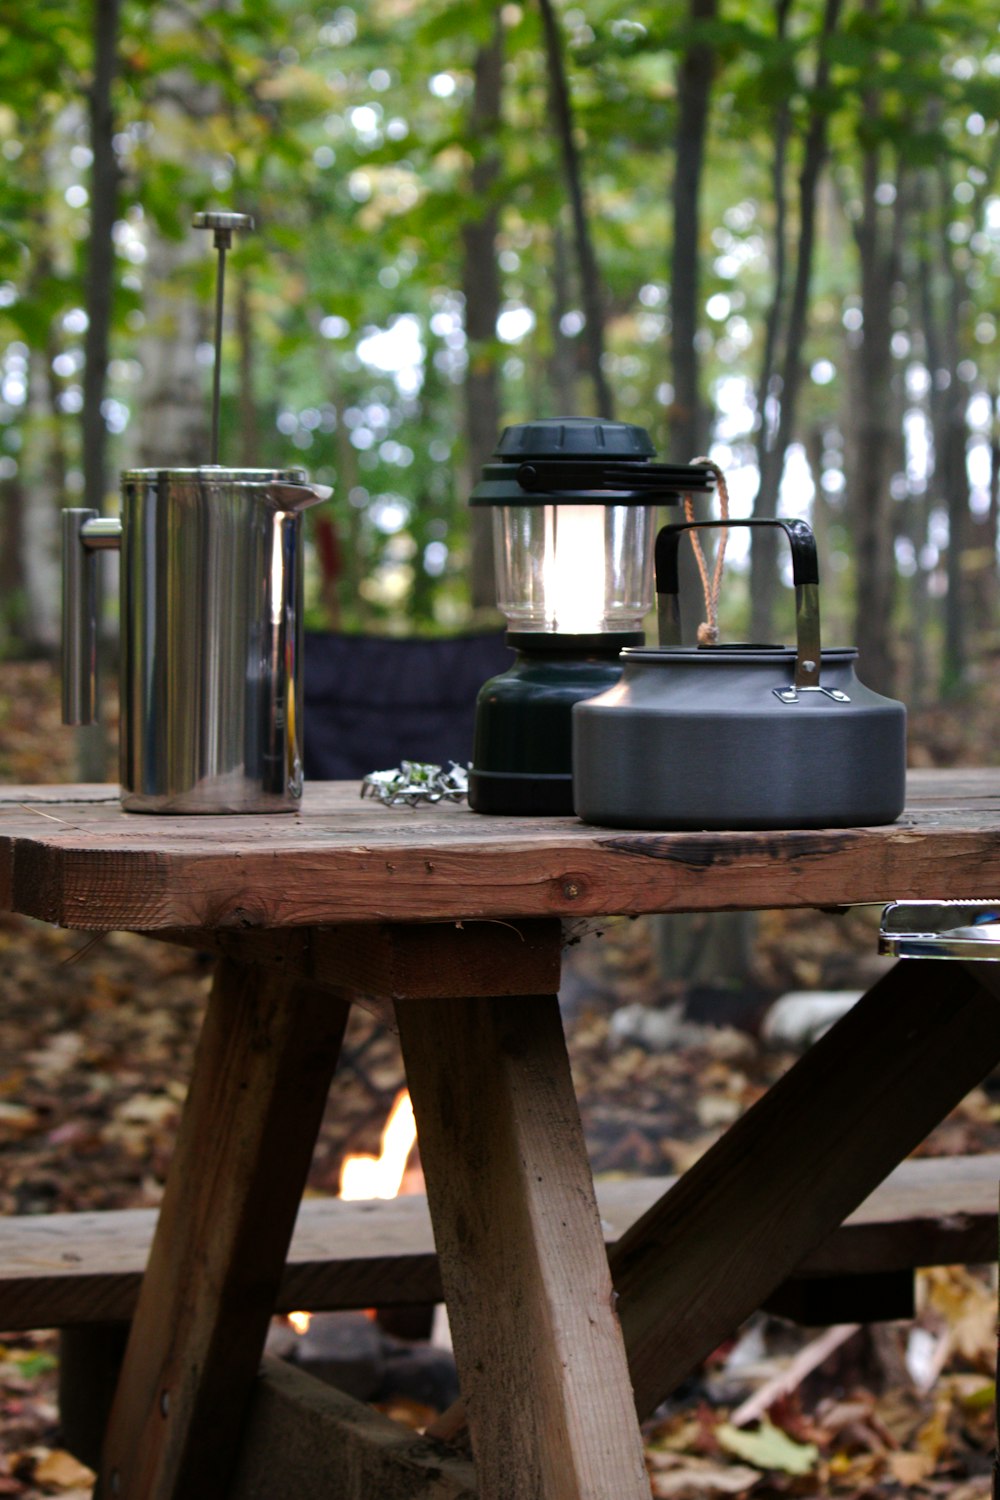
[[344, 129]]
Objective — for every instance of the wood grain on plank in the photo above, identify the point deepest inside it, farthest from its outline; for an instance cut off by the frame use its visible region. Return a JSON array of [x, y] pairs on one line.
[[342, 860], [307, 1441], [400, 961], [525, 1274]]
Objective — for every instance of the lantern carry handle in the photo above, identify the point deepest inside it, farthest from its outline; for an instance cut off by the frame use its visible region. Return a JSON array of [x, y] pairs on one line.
[[556, 475]]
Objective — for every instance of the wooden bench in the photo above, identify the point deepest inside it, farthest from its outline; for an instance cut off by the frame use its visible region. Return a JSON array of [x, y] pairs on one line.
[[80, 1272], [70, 1270]]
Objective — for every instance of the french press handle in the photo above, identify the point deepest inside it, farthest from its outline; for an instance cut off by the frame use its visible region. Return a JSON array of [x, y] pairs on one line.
[[805, 576], [84, 534]]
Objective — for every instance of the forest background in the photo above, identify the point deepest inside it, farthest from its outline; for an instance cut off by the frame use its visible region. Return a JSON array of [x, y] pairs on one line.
[[769, 233], [766, 232]]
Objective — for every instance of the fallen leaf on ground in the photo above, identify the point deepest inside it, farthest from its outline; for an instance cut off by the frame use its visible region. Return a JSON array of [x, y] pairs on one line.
[[932, 1438], [675, 1477], [62, 1469], [17, 1116], [768, 1448], [910, 1468]]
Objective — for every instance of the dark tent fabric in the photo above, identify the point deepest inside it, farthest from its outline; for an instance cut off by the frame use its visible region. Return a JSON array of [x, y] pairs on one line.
[[372, 701]]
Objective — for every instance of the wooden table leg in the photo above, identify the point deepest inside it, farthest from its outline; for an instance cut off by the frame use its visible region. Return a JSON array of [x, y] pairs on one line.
[[523, 1265], [996, 1414], [785, 1175], [261, 1076]]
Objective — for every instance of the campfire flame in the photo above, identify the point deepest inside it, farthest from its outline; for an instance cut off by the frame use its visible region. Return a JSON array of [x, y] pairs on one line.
[[381, 1176], [363, 1176]]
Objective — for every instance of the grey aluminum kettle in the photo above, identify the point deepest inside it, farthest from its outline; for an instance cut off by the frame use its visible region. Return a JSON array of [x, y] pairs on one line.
[[741, 737], [211, 635]]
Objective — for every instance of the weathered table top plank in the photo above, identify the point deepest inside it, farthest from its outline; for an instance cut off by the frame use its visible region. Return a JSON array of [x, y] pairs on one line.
[[70, 855]]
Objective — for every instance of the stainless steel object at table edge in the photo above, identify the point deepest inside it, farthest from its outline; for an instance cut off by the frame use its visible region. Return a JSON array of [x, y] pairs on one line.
[[967, 930]]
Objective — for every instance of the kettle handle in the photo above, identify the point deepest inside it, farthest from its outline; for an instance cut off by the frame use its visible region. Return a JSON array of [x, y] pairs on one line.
[[805, 576]]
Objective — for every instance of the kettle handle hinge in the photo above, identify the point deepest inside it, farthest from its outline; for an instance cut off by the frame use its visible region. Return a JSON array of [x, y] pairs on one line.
[[791, 694]]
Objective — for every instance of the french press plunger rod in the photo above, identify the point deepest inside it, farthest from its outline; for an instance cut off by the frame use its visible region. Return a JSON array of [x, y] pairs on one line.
[[223, 225]]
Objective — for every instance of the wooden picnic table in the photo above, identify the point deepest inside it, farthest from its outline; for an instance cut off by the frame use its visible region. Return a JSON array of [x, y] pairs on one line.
[[457, 922]]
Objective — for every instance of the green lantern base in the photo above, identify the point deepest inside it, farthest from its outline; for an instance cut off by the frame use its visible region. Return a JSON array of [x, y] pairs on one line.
[[522, 757]]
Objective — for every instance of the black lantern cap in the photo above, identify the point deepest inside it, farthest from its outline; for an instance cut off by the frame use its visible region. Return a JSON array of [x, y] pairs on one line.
[[574, 437], [586, 459]]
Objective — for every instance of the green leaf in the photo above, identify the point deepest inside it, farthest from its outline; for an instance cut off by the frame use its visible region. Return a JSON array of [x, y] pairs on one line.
[[982, 1399], [34, 1362], [768, 1448]]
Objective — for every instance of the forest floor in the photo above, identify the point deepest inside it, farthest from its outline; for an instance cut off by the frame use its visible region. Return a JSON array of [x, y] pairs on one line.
[[96, 1041]]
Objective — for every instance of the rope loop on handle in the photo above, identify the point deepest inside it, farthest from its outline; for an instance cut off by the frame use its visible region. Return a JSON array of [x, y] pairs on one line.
[[708, 630]]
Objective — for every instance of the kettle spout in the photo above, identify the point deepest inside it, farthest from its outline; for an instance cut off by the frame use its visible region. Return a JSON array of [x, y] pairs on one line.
[[297, 497]]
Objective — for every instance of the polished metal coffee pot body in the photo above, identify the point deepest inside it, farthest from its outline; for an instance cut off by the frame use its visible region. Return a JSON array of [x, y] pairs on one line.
[[211, 635]]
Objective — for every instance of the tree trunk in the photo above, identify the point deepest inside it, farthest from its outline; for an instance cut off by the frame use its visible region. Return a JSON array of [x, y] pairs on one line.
[[991, 532], [92, 749], [869, 481], [773, 444], [104, 178], [943, 289], [42, 461], [952, 443], [691, 942], [763, 574], [688, 418], [590, 281], [175, 418], [13, 503], [562, 364], [176, 408], [481, 289], [43, 472], [351, 517], [921, 673], [950, 470], [875, 419], [249, 417]]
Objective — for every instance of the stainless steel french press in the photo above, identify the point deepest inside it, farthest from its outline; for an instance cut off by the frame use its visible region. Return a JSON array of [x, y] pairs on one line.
[[211, 624]]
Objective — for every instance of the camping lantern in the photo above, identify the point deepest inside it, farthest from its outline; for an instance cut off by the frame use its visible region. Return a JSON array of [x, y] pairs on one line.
[[573, 503]]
